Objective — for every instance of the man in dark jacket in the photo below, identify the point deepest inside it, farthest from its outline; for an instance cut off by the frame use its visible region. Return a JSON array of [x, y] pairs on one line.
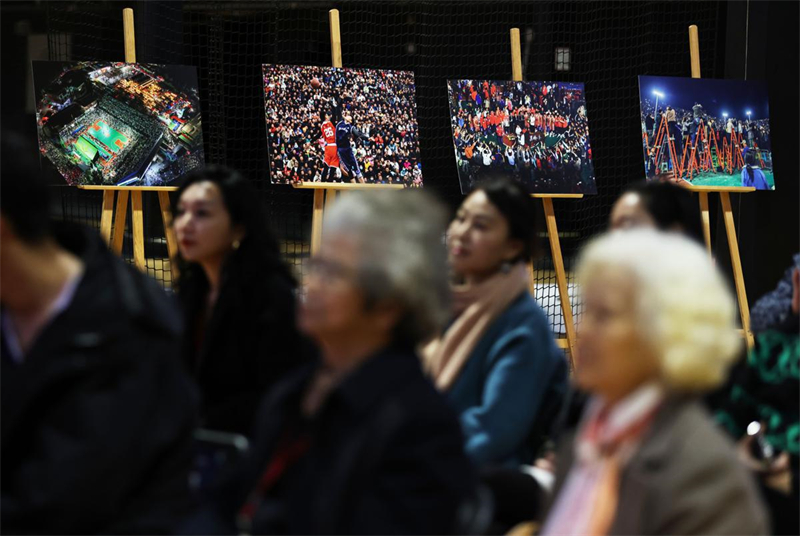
[[97, 415]]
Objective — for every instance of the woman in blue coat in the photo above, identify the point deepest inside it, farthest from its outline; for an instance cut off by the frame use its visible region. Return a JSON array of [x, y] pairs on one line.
[[497, 361]]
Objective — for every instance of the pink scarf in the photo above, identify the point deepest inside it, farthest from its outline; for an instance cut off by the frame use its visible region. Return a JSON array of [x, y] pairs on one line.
[[476, 307]]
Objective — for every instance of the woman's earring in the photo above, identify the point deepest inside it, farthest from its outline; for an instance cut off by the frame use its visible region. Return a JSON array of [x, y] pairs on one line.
[[236, 244], [505, 267]]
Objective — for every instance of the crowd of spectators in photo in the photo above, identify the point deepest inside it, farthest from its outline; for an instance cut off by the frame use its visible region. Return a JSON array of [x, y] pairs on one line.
[[536, 132], [684, 125], [381, 103]]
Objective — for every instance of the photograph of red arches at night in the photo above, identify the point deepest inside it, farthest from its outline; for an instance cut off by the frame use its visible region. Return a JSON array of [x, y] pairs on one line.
[[706, 132], [118, 124]]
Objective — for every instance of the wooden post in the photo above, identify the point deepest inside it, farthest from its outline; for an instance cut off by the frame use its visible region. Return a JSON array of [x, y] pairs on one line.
[[319, 194], [330, 198], [169, 232], [704, 216], [552, 227], [129, 35], [516, 56], [694, 50], [694, 55], [736, 263], [316, 220], [137, 217], [561, 274], [730, 225], [336, 38], [119, 222], [107, 215]]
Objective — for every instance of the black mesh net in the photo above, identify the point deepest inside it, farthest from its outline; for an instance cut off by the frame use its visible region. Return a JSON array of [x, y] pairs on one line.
[[610, 43]]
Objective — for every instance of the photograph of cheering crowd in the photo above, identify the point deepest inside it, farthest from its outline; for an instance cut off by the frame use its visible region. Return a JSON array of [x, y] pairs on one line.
[[326, 124], [706, 132], [118, 124], [535, 132]]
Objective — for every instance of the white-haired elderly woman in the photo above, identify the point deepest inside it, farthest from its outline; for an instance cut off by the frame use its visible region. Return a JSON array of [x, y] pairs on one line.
[[657, 329], [359, 442]]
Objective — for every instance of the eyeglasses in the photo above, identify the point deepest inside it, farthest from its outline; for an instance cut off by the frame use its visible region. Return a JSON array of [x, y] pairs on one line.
[[328, 271]]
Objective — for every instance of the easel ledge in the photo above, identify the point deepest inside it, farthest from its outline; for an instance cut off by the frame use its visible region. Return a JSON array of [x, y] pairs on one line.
[[731, 189], [128, 188], [557, 196], [345, 186]]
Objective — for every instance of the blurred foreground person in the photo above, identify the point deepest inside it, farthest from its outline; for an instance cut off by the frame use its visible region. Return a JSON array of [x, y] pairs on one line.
[[97, 413], [237, 297], [497, 360], [661, 205], [360, 442], [646, 458]]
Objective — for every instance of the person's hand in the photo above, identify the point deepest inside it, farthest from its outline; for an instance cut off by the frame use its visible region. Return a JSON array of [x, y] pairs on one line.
[[776, 473], [547, 462], [666, 176]]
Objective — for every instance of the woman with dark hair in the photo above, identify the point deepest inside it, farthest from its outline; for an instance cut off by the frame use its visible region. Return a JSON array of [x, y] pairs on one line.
[[497, 361], [237, 296], [662, 205]]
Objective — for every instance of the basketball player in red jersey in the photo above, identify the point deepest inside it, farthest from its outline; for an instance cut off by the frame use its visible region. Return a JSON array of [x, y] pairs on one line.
[[331, 158]]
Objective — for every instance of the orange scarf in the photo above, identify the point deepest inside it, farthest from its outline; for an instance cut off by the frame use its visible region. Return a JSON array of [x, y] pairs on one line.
[[476, 307]]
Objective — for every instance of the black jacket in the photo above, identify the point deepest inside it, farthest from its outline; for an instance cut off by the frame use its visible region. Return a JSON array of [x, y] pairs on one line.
[[385, 457], [249, 343], [97, 420]]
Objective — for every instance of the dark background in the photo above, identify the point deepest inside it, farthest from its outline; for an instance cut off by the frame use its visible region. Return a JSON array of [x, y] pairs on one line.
[[611, 43]]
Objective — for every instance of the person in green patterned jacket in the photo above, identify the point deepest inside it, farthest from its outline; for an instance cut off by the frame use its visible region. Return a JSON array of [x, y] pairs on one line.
[[764, 389]]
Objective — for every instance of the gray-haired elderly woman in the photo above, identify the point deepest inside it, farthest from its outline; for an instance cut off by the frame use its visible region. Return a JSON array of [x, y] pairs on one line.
[[360, 442], [657, 330]]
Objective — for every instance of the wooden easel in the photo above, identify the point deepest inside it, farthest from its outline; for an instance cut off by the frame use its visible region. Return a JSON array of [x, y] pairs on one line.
[[122, 193], [725, 198], [567, 343], [325, 193]]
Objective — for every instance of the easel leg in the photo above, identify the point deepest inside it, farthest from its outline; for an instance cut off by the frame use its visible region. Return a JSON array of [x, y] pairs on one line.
[[736, 262], [561, 276], [119, 222], [137, 217], [705, 219], [330, 198], [316, 220], [169, 232], [107, 215]]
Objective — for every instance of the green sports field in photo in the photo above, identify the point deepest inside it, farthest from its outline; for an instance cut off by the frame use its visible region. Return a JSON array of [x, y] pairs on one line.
[[109, 137], [723, 179]]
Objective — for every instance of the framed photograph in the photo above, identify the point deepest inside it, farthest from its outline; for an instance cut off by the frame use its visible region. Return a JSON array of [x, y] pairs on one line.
[[535, 132], [118, 124], [326, 124], [706, 132]]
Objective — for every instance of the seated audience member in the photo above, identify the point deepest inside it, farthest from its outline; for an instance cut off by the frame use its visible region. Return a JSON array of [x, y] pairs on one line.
[[646, 458], [237, 297], [97, 413], [497, 361], [764, 388], [661, 205], [360, 442]]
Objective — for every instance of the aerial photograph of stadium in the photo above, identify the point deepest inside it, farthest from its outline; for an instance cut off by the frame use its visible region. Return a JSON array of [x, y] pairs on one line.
[[118, 124]]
